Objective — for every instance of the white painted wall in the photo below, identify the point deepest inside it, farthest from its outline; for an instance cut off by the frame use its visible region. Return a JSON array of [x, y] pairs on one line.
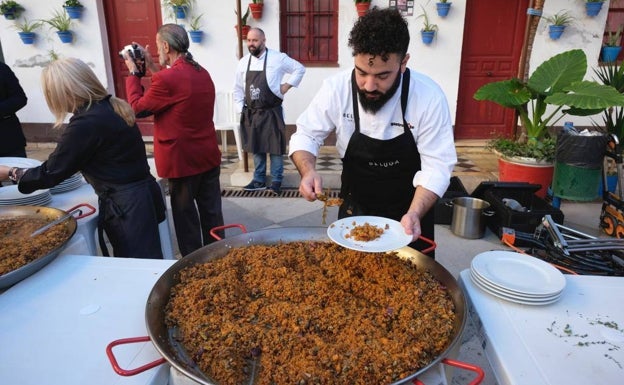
[[218, 52]]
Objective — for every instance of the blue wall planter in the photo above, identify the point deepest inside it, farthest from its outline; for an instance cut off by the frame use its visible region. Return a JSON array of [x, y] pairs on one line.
[[555, 31], [65, 36], [610, 54], [180, 11], [443, 9], [593, 8], [196, 36], [427, 36], [74, 12], [27, 37]]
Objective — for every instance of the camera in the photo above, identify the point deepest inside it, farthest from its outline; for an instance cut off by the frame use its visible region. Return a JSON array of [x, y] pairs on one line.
[[137, 55]]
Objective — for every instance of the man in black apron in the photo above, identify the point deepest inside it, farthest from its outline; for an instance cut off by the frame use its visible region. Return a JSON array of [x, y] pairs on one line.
[[383, 173], [263, 129]]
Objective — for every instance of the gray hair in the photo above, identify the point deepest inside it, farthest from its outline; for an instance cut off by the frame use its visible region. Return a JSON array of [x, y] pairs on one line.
[[178, 41]]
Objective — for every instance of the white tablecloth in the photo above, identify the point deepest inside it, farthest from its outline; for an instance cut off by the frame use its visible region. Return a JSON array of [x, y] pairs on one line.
[[576, 340], [55, 325]]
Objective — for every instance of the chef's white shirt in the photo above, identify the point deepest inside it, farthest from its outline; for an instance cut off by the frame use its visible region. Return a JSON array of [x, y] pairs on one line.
[[427, 114], [278, 66]]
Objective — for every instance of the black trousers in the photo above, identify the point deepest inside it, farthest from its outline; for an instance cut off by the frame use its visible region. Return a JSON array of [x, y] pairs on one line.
[[196, 208]]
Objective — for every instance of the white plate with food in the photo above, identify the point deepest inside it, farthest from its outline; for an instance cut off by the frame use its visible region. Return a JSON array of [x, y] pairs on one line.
[[368, 233]]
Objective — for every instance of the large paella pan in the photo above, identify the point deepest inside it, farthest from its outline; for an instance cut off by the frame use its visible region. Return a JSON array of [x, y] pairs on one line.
[[164, 336]]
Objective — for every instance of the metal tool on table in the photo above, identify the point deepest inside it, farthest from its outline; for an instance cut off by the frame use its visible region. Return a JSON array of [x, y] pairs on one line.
[[63, 218], [569, 240]]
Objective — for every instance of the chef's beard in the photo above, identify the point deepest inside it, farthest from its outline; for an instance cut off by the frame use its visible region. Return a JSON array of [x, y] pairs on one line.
[[374, 105], [256, 51]]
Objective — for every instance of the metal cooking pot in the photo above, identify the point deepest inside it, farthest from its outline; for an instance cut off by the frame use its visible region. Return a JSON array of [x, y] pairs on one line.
[[162, 336], [469, 217], [49, 214]]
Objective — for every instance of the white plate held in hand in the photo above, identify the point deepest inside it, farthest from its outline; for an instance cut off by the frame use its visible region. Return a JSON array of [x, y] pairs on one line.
[[393, 237]]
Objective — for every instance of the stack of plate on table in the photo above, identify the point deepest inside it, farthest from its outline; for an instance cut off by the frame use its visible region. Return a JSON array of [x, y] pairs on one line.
[[10, 196], [517, 277], [71, 183]]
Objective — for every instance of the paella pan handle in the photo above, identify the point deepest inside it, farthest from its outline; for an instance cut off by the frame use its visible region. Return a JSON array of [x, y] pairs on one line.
[[214, 230], [129, 372], [462, 365], [83, 214], [432, 244]]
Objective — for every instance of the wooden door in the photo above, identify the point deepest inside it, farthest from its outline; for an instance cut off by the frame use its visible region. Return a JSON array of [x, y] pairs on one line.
[[130, 21], [493, 38]]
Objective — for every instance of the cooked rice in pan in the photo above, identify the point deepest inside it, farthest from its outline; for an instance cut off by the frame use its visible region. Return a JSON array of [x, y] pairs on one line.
[[312, 313]]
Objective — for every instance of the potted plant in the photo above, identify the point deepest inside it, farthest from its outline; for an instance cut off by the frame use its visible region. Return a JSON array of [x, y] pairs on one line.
[[73, 8], [556, 83], [26, 30], [428, 31], [244, 28], [62, 23], [195, 32], [612, 74], [362, 7], [593, 7], [256, 9], [558, 22], [179, 7], [10, 9], [612, 47], [443, 7]]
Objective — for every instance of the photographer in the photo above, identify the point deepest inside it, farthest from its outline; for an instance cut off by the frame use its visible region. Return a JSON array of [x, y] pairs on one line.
[[181, 98]]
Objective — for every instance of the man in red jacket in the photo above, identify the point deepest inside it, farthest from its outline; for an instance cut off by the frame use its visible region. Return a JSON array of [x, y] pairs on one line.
[[181, 98]]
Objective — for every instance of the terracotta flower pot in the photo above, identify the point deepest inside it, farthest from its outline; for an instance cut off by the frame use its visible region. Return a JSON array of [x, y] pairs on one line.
[[256, 10], [245, 29], [362, 8]]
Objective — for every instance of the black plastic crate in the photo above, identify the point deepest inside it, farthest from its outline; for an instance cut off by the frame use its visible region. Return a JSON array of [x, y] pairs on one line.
[[524, 194], [443, 212]]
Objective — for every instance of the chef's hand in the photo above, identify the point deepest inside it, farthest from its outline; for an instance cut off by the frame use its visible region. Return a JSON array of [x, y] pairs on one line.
[[311, 185], [411, 224]]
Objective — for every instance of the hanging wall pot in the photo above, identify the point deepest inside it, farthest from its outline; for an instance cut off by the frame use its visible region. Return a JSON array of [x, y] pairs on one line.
[[362, 7], [74, 12], [196, 36], [65, 36], [256, 10], [27, 37], [610, 53], [593, 8], [180, 11], [555, 31], [443, 8], [427, 36]]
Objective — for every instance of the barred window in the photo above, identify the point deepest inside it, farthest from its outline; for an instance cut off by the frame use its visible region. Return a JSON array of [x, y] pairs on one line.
[[309, 31]]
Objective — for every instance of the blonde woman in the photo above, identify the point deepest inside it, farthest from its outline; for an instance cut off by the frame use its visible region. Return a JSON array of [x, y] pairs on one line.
[[103, 142]]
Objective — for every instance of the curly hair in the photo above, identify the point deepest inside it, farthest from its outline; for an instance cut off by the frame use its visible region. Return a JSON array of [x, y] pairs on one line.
[[380, 32]]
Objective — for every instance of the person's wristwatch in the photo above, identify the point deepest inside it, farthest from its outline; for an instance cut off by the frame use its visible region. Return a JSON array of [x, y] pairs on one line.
[[134, 73], [13, 174]]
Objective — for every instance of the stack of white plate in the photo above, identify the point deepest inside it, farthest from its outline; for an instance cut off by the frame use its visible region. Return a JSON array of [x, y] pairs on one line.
[[71, 183], [10, 196], [517, 277]]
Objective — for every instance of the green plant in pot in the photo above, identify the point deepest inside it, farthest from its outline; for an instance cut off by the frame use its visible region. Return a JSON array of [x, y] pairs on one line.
[[429, 29], [195, 29], [556, 83], [26, 30], [61, 22], [10, 9], [179, 8], [73, 8], [612, 74], [558, 22], [611, 48]]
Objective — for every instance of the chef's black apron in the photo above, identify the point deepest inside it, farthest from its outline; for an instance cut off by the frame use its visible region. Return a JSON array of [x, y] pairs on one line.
[[117, 204], [262, 122], [377, 175]]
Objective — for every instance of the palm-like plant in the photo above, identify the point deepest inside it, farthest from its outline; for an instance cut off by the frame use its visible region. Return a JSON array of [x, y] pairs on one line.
[[558, 82], [612, 74]]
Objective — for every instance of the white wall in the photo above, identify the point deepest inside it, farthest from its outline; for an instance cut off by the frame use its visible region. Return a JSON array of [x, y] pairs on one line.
[[218, 51]]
